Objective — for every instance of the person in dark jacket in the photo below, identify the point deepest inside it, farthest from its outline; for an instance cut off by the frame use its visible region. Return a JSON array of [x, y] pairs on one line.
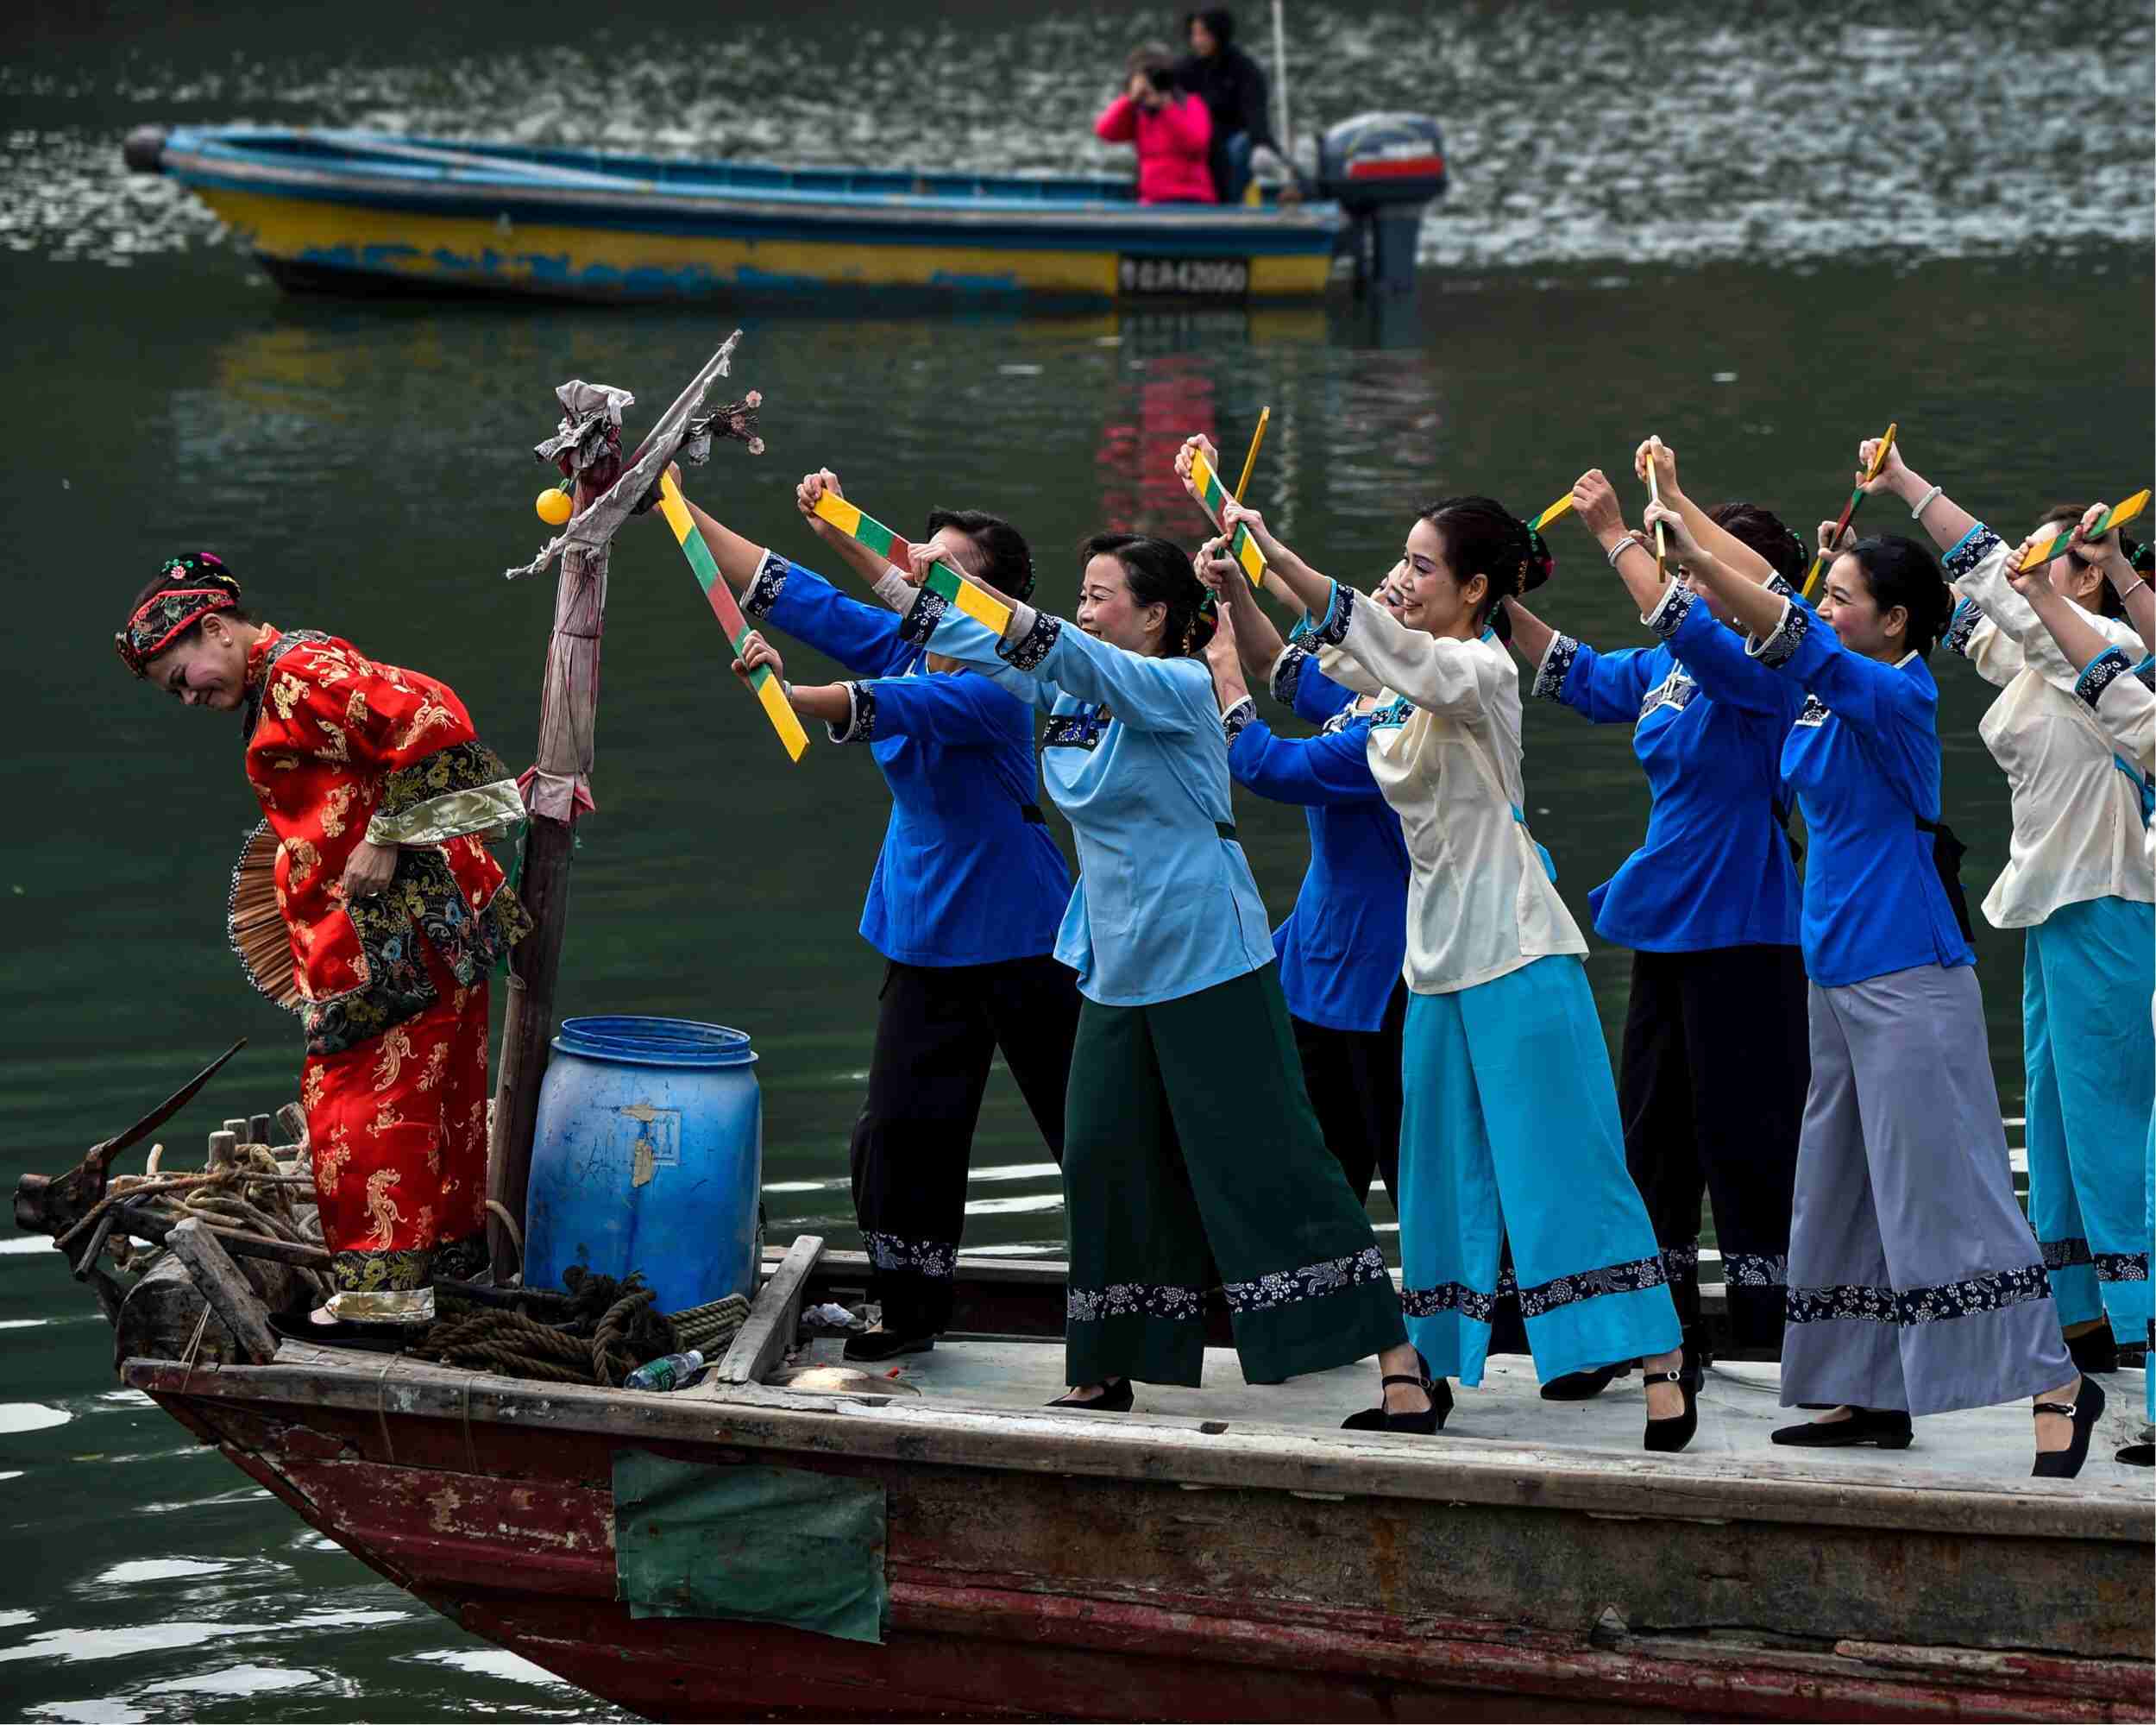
[[1233, 88]]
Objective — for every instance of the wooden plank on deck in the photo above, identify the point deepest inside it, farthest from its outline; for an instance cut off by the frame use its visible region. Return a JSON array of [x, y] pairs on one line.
[[774, 1318]]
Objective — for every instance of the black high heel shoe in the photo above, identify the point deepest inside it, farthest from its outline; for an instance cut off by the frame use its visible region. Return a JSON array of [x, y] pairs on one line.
[[1670, 1435], [2084, 1410], [1426, 1423], [1114, 1399], [1582, 1386]]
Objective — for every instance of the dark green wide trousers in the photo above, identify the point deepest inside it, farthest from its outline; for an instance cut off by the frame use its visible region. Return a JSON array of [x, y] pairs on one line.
[[1189, 1143]]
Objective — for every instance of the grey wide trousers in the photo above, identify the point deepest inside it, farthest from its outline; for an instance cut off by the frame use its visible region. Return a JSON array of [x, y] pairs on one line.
[[1915, 1282]]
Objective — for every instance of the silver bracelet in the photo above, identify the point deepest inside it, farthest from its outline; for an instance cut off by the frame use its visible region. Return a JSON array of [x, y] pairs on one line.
[[1619, 548], [1925, 502]]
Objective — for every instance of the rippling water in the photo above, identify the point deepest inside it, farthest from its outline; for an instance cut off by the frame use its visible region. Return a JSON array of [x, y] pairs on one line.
[[1632, 133], [1760, 232]]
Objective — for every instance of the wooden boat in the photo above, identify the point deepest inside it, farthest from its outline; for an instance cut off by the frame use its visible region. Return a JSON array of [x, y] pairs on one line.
[[361, 212], [1223, 1554]]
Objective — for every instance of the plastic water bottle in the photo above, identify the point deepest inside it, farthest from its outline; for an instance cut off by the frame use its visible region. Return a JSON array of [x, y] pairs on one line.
[[669, 1371]]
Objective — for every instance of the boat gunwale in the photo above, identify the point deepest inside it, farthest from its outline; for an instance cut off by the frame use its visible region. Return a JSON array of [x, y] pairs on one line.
[[218, 164], [1168, 1450]]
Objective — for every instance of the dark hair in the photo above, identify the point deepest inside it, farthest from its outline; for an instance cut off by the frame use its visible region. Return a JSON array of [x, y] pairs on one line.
[[1483, 536], [1160, 573], [1901, 572], [1762, 531], [2108, 604], [1153, 61], [1217, 19], [1006, 560]]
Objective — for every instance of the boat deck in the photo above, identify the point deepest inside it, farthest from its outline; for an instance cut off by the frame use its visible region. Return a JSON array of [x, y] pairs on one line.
[[1739, 1405]]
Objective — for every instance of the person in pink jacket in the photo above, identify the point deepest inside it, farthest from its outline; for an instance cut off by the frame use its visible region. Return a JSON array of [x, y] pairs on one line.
[[1170, 127]]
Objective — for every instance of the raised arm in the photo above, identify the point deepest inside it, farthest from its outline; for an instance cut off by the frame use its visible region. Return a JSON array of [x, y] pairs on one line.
[[1792, 640], [739, 559], [1118, 122], [962, 711], [1755, 609], [1323, 770], [2128, 580], [1731, 551], [1146, 694], [874, 572], [2068, 625], [1946, 520], [1257, 642], [1531, 636]]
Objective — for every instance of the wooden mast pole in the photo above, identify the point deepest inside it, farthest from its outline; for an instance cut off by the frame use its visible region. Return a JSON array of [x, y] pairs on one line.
[[558, 789], [568, 714]]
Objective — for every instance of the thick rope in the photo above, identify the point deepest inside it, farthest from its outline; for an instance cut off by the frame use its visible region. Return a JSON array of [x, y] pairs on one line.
[[709, 1327], [255, 1194], [597, 1332]]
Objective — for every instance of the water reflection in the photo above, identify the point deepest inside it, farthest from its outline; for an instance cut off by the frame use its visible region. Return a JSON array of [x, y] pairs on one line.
[[31, 1416], [156, 1569], [237, 1680]]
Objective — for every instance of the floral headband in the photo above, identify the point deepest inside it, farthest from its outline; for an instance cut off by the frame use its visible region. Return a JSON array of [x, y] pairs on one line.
[[202, 585]]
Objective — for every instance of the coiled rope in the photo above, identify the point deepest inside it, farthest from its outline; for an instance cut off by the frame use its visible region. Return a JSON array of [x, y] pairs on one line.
[[557, 1337]]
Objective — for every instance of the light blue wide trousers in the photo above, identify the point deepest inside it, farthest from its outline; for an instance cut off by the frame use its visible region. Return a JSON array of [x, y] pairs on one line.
[[2089, 1053], [1509, 1128]]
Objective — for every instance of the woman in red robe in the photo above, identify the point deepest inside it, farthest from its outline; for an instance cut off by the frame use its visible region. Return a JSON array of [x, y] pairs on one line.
[[381, 798]]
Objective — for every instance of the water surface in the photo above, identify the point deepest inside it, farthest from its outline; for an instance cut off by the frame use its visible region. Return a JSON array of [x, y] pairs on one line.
[[1761, 236]]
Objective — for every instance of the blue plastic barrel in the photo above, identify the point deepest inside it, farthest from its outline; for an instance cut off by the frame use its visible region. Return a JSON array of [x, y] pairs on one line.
[[648, 1155]]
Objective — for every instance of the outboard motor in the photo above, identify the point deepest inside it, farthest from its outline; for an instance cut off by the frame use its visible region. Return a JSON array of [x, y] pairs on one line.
[[1383, 170]]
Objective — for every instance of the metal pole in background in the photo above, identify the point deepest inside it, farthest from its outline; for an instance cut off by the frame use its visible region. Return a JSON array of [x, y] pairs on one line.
[[1279, 76]]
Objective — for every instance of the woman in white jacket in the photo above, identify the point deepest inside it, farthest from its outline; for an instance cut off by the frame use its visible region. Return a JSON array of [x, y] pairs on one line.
[[1509, 1128], [2077, 882], [2123, 695]]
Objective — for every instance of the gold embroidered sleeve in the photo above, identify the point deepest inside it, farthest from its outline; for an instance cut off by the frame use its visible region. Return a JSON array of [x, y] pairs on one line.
[[458, 792]]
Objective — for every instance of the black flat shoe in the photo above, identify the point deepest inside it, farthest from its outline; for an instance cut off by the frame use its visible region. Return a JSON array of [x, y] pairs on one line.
[[2084, 1410], [2140, 1455], [1667, 1437], [1426, 1423], [1888, 1427], [1582, 1386], [886, 1345], [2094, 1351], [1115, 1399]]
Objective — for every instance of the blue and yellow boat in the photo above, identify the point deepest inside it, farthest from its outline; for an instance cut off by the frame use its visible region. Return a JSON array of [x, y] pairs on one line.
[[357, 211]]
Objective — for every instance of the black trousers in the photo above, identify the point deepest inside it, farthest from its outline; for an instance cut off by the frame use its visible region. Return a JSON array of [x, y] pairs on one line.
[[1716, 1062], [1354, 1080], [937, 1029]]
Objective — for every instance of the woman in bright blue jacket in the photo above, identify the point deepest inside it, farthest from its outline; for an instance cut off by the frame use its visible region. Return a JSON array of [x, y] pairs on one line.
[[967, 892], [1916, 1285]]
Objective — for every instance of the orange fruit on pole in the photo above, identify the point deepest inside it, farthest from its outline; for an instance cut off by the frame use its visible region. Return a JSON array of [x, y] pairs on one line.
[[554, 506]]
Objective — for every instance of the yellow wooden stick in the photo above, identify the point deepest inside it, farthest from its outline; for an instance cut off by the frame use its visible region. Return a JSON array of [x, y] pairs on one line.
[[1661, 543], [2117, 516], [1849, 509], [1251, 460], [1212, 495], [1556, 511]]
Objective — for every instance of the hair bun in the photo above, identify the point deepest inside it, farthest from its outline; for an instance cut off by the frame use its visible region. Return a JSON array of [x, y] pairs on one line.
[[1539, 565]]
